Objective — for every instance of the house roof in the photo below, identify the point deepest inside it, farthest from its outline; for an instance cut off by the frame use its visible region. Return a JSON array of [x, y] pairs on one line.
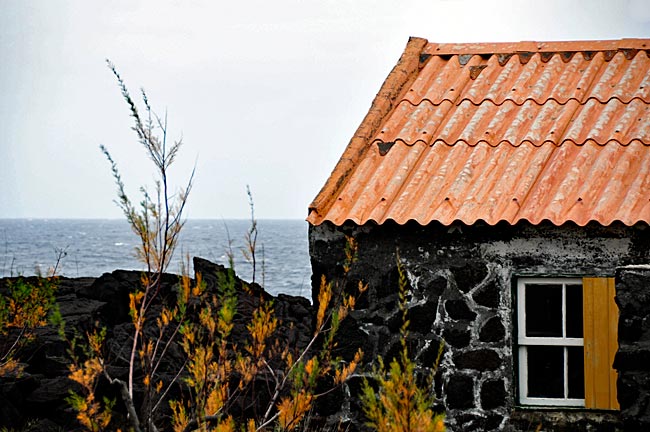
[[534, 131]]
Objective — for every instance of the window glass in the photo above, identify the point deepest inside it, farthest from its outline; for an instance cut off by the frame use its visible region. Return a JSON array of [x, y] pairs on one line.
[[576, 377], [545, 371], [543, 310], [574, 311]]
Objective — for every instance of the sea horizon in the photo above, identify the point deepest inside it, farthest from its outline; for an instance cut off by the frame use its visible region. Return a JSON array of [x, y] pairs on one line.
[[122, 219], [90, 247]]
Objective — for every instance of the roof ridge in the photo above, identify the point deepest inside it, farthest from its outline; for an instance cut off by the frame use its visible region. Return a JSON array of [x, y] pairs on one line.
[[535, 46], [545, 56]]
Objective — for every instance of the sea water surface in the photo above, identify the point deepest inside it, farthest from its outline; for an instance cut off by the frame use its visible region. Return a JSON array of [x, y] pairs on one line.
[[91, 247]]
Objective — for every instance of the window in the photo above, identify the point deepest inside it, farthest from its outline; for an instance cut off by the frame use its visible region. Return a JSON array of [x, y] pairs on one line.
[[566, 342]]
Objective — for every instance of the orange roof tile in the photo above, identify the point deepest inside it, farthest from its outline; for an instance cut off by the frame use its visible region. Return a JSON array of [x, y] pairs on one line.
[[532, 131]]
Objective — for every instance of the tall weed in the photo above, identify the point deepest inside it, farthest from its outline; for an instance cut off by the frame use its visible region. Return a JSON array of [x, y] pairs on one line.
[[213, 374]]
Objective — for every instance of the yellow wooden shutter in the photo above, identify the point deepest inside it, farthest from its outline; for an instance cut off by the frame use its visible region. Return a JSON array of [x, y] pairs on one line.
[[600, 316]]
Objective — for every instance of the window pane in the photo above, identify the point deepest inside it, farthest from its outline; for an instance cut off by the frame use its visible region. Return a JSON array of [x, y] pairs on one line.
[[574, 311], [543, 310], [545, 371], [576, 372]]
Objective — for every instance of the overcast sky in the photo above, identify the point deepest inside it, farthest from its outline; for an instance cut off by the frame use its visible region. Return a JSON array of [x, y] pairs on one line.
[[264, 93]]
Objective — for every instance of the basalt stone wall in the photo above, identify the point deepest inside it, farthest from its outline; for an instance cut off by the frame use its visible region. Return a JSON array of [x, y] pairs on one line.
[[633, 357], [461, 294]]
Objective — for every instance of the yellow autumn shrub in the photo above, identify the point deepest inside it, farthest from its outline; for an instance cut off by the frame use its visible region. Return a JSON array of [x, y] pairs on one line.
[[24, 306]]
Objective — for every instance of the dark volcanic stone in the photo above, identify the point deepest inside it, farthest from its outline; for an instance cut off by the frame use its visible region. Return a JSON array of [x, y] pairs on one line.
[[113, 289], [481, 360], [627, 390], [43, 425], [428, 355], [434, 286], [79, 314], [460, 392], [632, 359], [330, 402], [10, 417], [493, 394], [488, 295], [492, 330], [457, 334], [393, 348], [394, 321], [630, 329], [471, 422], [634, 297], [458, 309], [423, 316], [351, 337], [493, 422], [51, 390], [469, 275]]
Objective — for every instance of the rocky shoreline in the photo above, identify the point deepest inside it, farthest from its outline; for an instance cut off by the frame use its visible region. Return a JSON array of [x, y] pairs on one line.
[[35, 400]]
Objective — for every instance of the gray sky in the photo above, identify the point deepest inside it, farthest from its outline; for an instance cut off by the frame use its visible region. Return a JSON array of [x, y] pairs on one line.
[[265, 93]]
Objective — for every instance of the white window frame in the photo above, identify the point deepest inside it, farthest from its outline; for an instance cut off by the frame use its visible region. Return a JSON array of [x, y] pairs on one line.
[[524, 341]]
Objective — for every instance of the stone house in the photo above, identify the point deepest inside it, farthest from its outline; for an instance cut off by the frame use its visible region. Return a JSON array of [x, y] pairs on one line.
[[514, 179]]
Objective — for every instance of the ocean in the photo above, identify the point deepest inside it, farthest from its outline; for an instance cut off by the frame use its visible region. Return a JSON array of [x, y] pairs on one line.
[[91, 247]]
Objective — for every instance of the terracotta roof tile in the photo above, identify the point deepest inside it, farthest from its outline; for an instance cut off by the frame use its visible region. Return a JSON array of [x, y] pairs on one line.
[[514, 124], [532, 131], [536, 80]]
